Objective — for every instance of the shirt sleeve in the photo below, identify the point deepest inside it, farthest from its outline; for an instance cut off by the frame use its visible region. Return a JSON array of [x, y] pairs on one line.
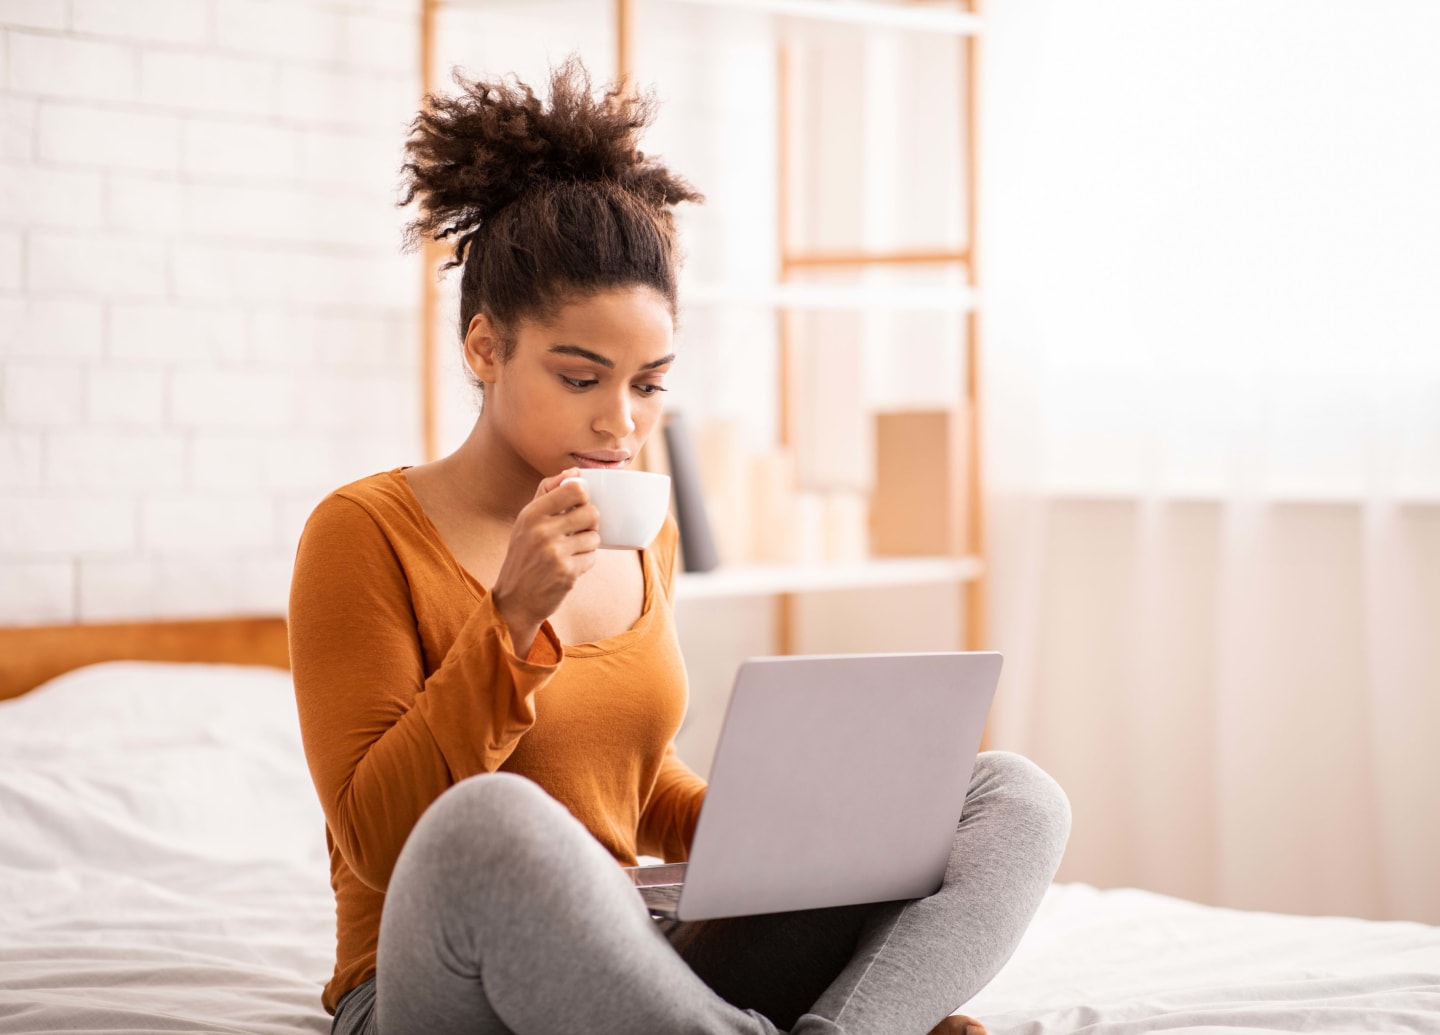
[[382, 740], [667, 824]]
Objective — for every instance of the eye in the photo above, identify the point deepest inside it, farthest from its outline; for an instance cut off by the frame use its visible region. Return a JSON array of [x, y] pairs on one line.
[[650, 389], [578, 384]]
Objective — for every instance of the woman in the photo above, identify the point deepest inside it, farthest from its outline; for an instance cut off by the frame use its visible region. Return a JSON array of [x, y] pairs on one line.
[[489, 701]]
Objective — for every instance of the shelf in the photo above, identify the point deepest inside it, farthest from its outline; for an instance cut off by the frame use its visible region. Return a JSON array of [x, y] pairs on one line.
[[958, 299], [787, 282], [859, 13], [766, 580]]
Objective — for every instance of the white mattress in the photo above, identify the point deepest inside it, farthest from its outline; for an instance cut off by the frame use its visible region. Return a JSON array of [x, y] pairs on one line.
[[162, 868]]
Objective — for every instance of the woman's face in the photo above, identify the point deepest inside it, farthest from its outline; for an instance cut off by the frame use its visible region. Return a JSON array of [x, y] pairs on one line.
[[581, 390]]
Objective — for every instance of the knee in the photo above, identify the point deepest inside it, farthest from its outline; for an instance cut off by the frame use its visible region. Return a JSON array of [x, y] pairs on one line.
[[1029, 791], [483, 816]]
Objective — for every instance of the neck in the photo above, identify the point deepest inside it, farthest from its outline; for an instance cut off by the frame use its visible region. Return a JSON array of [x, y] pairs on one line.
[[487, 476]]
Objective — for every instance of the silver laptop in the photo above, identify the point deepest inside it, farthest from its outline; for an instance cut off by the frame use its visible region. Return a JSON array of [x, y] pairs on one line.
[[838, 779]]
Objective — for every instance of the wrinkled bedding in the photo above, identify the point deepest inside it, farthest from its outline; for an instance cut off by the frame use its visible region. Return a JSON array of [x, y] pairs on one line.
[[1127, 961], [162, 855], [162, 868]]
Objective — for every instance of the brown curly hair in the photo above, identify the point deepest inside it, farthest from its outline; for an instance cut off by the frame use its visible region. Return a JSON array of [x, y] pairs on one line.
[[544, 203]]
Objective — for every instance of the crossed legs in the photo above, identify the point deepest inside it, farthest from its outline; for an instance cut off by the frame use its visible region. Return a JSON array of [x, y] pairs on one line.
[[505, 917]]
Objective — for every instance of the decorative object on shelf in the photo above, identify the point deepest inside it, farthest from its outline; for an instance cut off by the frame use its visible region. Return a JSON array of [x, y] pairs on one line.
[[805, 542], [725, 471], [919, 503], [725, 468], [697, 541], [774, 519], [847, 527], [834, 442]]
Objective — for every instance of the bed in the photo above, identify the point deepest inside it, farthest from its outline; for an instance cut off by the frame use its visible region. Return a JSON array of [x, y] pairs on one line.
[[162, 868]]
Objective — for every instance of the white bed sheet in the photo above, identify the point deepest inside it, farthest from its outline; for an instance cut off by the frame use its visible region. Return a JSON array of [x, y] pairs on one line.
[[162, 868], [1127, 961], [162, 855]]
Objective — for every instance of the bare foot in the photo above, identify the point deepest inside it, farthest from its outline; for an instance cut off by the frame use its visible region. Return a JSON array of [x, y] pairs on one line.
[[958, 1024]]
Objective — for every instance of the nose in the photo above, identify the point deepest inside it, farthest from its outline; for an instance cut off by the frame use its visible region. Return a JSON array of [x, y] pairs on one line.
[[614, 419]]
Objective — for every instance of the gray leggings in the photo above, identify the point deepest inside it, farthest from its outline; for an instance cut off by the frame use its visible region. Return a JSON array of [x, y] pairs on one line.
[[504, 916]]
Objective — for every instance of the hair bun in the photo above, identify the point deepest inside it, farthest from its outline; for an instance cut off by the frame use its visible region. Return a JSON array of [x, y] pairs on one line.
[[474, 153]]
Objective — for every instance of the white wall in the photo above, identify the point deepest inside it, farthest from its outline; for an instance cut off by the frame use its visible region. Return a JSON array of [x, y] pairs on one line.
[[1212, 242], [205, 322], [1214, 421]]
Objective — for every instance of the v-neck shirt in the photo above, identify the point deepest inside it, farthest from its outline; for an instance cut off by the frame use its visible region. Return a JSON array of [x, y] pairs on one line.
[[407, 682]]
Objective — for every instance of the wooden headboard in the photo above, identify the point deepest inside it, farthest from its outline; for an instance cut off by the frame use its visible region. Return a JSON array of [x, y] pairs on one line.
[[29, 655]]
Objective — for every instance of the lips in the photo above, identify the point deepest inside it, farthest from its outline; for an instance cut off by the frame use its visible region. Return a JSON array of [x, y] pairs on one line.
[[601, 458]]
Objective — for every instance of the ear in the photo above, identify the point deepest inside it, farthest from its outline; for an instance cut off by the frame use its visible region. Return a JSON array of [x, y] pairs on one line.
[[482, 348]]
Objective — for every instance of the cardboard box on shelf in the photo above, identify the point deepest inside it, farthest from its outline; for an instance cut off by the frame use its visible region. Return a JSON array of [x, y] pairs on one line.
[[918, 507]]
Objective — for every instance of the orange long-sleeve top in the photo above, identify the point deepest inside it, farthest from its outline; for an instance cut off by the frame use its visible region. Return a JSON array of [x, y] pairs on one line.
[[407, 682]]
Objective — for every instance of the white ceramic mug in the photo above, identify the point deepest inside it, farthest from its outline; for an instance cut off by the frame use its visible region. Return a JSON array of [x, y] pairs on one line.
[[632, 505]]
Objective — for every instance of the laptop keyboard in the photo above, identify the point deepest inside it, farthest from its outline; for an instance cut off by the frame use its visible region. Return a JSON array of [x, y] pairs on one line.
[[661, 898]]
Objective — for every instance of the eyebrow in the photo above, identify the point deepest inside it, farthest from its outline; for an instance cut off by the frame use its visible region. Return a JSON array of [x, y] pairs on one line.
[[608, 364]]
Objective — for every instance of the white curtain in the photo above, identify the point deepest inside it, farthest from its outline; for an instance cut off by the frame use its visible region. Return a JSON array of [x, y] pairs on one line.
[[1212, 271]]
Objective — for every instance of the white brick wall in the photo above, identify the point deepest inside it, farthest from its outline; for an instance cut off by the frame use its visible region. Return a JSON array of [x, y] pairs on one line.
[[20, 458], [104, 265], [105, 138], [205, 322], [35, 14], [35, 327], [195, 336], [54, 525], [230, 149], [43, 394], [12, 248], [17, 125], [279, 29], [62, 66], [36, 591], [49, 197], [143, 204], [111, 460], [206, 83], [144, 21], [124, 396]]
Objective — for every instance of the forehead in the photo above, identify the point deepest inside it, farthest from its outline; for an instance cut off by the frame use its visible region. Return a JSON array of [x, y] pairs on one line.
[[635, 317]]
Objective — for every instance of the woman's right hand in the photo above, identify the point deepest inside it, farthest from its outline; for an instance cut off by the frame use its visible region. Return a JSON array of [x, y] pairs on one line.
[[552, 543]]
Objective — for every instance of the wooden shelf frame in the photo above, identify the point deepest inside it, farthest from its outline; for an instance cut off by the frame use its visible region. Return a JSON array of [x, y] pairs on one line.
[[850, 260], [975, 634]]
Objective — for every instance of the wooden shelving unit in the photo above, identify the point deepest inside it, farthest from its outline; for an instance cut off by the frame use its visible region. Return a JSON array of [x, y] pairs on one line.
[[965, 570]]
